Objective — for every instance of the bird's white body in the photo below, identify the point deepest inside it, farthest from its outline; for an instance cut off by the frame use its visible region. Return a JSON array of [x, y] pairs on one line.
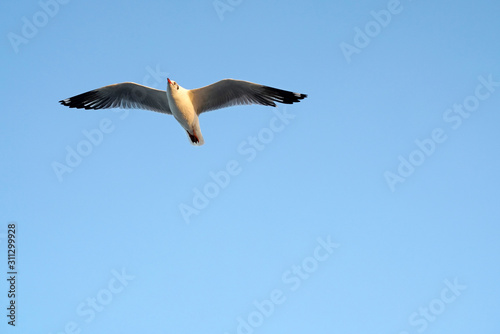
[[185, 105], [181, 106]]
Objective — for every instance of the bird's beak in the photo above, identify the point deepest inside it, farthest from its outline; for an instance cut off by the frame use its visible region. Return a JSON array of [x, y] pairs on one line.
[[169, 82]]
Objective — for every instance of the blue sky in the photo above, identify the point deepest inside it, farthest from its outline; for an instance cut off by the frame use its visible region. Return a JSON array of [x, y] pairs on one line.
[[369, 207]]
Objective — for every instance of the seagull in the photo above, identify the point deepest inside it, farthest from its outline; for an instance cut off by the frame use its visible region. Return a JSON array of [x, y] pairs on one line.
[[184, 104]]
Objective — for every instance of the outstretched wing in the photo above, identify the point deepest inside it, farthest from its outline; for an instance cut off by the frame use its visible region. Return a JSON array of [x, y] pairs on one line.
[[127, 95], [230, 92]]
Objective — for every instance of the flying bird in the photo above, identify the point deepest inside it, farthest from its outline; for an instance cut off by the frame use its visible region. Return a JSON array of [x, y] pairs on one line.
[[184, 104]]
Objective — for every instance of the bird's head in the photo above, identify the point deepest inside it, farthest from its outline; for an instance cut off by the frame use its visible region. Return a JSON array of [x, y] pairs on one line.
[[172, 85]]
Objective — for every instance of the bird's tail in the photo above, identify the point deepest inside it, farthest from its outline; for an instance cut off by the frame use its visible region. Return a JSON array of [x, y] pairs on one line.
[[196, 138]]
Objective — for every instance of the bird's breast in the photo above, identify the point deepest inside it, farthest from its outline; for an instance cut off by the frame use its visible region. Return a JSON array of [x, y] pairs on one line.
[[182, 109]]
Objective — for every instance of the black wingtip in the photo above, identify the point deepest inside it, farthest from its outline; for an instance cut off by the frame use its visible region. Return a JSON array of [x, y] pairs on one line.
[[300, 96], [284, 96], [82, 101], [69, 103]]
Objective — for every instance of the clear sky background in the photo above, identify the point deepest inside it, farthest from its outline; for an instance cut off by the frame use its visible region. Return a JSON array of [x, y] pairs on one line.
[[371, 207]]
